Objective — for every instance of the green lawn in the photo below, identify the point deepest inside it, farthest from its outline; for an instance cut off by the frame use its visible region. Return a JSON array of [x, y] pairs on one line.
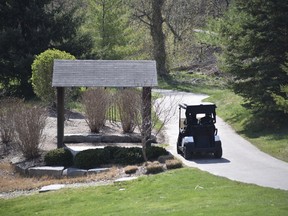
[[184, 191]]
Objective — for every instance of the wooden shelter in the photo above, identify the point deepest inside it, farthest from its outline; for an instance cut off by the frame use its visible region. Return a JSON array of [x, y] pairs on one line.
[[103, 73]]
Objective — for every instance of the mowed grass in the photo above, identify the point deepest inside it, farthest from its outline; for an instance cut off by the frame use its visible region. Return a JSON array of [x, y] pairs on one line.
[[185, 191]]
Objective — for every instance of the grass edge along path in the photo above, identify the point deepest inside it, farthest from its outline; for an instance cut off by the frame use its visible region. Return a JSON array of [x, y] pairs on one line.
[[183, 191], [273, 141]]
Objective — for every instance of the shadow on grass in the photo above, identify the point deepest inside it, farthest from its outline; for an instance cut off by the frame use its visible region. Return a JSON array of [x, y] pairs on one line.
[[273, 126]]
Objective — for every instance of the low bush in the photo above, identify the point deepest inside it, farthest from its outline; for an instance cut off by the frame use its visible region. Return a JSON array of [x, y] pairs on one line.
[[96, 102], [113, 154], [130, 169], [126, 156], [91, 158], [29, 125], [154, 152], [129, 106], [173, 164], [7, 127], [155, 167], [59, 157]]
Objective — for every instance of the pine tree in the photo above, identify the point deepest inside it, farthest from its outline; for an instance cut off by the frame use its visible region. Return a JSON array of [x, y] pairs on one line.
[[254, 39], [107, 22]]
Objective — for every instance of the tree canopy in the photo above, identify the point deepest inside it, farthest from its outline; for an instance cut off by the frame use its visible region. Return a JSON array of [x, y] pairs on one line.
[[27, 28], [254, 40]]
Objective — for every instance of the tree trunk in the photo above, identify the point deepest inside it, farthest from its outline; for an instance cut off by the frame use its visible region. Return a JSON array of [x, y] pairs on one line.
[[146, 122], [158, 37]]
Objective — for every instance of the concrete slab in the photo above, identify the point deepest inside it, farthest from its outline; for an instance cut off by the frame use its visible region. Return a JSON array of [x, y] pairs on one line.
[[97, 170], [74, 172], [53, 187], [46, 171], [126, 179]]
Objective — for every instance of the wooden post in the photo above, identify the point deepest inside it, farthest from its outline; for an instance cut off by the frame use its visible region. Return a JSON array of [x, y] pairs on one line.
[[60, 117], [146, 114]]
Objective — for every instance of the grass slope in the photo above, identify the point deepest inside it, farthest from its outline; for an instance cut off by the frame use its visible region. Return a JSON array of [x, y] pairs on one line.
[[184, 191]]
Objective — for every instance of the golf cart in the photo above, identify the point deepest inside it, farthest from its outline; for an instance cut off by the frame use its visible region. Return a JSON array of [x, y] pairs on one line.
[[197, 131]]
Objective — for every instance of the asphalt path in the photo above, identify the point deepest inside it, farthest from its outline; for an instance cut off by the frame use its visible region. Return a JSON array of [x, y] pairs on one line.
[[241, 161]]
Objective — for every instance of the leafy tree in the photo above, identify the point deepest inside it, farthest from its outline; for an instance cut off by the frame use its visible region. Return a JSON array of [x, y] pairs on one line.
[[253, 37], [150, 13], [27, 28], [42, 70]]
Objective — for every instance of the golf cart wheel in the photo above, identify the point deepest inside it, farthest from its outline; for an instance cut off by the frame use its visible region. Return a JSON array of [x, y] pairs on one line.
[[218, 153], [187, 154]]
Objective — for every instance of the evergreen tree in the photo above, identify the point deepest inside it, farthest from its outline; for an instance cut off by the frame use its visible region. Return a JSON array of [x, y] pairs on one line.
[[27, 28], [254, 39], [107, 22], [282, 101]]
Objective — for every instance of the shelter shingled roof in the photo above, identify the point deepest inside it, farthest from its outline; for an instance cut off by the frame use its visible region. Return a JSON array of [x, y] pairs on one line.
[[104, 73]]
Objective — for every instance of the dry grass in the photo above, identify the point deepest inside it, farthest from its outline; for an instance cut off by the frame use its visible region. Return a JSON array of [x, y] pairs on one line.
[[11, 181]]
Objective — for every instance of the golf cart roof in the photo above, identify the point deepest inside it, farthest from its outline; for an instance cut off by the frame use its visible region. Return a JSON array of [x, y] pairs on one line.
[[204, 107]]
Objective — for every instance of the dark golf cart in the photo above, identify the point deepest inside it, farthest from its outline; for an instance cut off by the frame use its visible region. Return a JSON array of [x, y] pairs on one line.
[[197, 131]]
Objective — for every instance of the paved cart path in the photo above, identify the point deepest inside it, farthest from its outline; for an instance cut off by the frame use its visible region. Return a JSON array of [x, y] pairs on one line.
[[241, 160]]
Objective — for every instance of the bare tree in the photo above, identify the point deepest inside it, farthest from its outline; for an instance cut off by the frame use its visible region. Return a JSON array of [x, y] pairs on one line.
[[160, 115]]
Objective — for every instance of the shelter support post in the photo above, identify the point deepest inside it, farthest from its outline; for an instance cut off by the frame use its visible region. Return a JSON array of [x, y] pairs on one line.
[[146, 114], [60, 117]]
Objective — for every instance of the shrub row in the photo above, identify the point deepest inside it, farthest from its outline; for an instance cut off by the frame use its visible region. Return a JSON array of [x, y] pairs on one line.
[[92, 158]]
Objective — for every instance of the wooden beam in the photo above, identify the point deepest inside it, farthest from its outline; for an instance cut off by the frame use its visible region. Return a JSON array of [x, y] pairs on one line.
[[146, 113], [60, 117]]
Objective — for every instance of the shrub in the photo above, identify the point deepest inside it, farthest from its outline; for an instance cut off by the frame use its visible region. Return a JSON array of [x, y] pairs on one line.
[[95, 103], [173, 164], [134, 155], [42, 69], [7, 111], [155, 167], [91, 158], [59, 157], [125, 156], [130, 169], [129, 106], [154, 152], [29, 125]]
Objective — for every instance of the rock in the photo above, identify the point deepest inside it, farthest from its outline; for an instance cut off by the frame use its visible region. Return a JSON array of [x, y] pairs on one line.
[[51, 188], [74, 172], [98, 138], [22, 167], [46, 171], [97, 170]]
